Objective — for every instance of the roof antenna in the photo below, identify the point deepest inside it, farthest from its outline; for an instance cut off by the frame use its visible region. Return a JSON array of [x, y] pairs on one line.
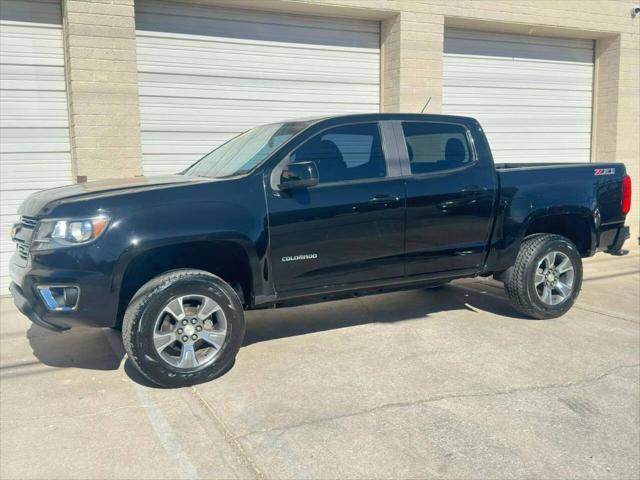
[[425, 105]]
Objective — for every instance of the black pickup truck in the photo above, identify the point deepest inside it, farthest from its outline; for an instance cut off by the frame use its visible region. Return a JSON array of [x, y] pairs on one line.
[[300, 212]]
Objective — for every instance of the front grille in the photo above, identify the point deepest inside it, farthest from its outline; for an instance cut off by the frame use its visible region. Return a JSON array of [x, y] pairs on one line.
[[28, 222], [23, 249]]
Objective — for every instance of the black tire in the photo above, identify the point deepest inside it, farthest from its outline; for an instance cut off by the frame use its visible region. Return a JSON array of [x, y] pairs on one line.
[[519, 282], [143, 310]]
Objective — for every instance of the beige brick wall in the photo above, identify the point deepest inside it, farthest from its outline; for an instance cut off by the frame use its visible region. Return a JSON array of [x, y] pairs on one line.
[[411, 70], [100, 42], [102, 85]]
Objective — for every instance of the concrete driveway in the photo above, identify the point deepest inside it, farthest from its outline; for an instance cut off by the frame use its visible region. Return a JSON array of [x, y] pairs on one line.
[[424, 384]]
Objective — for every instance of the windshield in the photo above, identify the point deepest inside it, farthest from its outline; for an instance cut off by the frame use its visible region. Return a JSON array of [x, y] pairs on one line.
[[243, 153]]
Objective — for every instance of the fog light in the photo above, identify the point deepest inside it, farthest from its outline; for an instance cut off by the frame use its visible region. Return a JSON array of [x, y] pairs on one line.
[[60, 298]]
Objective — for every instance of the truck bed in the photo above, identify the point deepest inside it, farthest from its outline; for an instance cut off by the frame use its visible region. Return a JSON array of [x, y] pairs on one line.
[[566, 185]]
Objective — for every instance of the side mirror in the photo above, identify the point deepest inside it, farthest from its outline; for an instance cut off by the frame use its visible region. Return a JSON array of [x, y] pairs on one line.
[[299, 175]]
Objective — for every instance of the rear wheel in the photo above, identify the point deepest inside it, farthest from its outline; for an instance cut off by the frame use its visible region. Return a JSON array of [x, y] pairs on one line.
[[183, 327], [546, 278]]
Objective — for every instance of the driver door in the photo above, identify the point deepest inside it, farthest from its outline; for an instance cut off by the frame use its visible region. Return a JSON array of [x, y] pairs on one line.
[[347, 230]]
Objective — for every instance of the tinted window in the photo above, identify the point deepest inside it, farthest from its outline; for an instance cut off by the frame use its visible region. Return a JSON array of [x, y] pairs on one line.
[[434, 147], [351, 152]]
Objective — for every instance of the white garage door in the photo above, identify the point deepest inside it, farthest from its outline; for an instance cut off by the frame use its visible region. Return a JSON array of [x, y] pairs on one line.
[[207, 74], [34, 130], [531, 94]]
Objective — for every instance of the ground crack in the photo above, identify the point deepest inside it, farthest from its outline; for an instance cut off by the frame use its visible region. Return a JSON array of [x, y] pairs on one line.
[[228, 434], [439, 398]]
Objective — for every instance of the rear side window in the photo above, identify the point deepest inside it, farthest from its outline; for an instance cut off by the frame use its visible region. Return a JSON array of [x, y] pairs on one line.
[[434, 147], [345, 153]]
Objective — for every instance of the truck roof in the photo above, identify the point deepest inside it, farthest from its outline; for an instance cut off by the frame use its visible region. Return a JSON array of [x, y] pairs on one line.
[[385, 116]]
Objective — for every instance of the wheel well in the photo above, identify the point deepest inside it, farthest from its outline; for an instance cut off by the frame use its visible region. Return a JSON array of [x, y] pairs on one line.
[[227, 260], [574, 227]]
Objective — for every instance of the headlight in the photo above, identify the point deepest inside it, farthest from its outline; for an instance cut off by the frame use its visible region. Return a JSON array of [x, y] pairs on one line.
[[57, 233]]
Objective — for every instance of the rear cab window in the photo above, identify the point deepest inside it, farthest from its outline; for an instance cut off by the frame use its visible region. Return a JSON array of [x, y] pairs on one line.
[[435, 147]]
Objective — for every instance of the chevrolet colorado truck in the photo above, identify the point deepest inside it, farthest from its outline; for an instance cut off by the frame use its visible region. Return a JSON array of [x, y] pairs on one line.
[[305, 211]]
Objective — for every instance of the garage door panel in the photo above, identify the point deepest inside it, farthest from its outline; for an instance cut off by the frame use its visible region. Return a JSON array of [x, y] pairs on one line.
[[21, 179], [256, 66], [282, 45], [45, 56], [217, 49], [542, 155], [553, 140], [522, 92], [17, 57], [547, 80], [45, 13], [480, 74], [202, 87], [549, 50], [557, 56], [11, 200], [455, 34], [331, 73], [497, 64], [228, 24], [535, 111], [24, 45], [259, 18], [43, 99], [29, 84], [261, 96], [533, 95], [522, 122], [38, 146], [207, 74], [34, 134], [220, 109], [514, 101]]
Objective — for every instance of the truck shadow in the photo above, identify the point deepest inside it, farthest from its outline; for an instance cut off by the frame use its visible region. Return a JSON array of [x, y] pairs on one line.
[[101, 349], [78, 348], [412, 305]]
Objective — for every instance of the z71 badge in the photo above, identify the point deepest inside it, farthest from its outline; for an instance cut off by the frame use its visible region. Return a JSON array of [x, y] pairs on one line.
[[604, 171]]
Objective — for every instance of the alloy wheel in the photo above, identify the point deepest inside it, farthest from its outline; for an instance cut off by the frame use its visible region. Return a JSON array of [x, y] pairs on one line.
[[190, 332], [554, 278]]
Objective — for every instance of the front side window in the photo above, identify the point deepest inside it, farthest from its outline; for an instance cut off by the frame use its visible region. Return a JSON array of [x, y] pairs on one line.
[[434, 147], [346, 153]]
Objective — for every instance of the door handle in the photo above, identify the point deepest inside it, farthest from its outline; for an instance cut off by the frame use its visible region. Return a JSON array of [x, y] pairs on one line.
[[383, 199], [473, 190]]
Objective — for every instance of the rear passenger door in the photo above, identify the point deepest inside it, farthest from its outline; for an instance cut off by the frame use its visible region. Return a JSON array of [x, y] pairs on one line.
[[347, 230], [450, 197]]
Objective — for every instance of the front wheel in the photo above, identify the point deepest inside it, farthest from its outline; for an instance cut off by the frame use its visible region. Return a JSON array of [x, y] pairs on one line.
[[183, 327], [546, 278]]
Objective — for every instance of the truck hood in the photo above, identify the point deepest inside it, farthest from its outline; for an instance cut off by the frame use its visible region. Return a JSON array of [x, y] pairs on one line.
[[41, 202]]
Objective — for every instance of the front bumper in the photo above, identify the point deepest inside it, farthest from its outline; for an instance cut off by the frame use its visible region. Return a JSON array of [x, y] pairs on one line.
[[25, 307], [97, 305]]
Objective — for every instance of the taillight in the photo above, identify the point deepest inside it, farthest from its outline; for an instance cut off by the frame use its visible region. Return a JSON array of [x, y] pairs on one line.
[[626, 195]]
